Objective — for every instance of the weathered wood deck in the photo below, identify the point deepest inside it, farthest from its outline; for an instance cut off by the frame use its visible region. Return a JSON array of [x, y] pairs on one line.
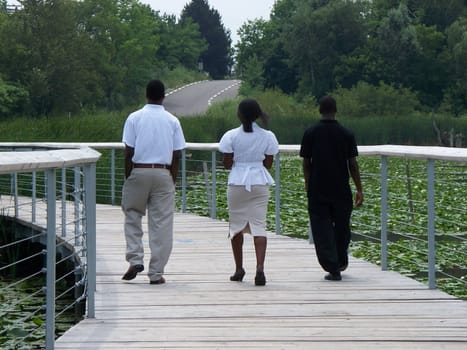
[[199, 308]]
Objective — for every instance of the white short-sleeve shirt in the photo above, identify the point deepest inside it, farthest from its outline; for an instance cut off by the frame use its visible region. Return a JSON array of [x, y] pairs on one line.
[[249, 149], [154, 133]]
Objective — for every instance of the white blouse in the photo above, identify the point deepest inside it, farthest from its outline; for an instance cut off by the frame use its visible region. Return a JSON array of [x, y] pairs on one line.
[[249, 150]]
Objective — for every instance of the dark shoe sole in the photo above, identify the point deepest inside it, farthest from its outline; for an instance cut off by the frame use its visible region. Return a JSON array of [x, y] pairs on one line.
[[132, 272], [159, 281]]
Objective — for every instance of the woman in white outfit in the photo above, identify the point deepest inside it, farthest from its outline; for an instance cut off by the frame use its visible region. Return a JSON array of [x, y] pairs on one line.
[[248, 152]]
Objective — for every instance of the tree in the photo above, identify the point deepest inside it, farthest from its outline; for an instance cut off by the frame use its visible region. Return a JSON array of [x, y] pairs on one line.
[[181, 43], [318, 35], [13, 99], [125, 39], [217, 59], [261, 46], [455, 99], [40, 53]]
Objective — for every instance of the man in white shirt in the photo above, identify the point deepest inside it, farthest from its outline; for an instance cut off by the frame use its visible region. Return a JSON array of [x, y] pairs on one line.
[[153, 141]]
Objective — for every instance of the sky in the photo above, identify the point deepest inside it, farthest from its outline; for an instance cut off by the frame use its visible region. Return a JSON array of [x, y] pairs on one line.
[[233, 13]]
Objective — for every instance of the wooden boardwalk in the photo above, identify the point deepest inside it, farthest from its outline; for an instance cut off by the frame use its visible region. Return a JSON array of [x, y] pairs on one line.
[[199, 308]]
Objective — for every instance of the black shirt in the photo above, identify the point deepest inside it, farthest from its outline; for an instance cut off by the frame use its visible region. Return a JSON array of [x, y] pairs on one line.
[[330, 146]]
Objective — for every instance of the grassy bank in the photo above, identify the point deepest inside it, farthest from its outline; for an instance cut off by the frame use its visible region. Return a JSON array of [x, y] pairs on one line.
[[288, 120]]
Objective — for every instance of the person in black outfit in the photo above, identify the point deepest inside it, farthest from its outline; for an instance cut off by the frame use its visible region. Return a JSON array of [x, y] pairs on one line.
[[329, 154]]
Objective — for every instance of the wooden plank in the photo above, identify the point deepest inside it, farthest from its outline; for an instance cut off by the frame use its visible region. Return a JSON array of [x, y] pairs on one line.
[[199, 308]]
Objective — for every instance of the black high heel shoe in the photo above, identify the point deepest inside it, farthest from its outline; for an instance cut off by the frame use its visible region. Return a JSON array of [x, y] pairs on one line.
[[260, 278], [238, 275]]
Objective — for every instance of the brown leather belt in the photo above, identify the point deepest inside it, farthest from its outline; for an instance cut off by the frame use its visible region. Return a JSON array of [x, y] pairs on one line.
[[151, 166]]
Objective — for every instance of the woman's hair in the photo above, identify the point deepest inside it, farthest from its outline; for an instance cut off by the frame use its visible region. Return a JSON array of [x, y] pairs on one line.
[[248, 111]]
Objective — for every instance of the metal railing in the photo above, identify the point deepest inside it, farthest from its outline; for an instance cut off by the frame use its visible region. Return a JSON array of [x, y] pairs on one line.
[[52, 194], [415, 204]]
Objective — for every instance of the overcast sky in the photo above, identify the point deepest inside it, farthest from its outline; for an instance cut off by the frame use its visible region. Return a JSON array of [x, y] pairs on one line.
[[233, 12]]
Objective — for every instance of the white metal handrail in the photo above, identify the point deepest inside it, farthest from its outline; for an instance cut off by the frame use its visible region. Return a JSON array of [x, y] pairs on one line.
[[82, 161]]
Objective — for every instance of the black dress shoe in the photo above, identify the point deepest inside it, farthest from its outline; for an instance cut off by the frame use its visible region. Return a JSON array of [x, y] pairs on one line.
[[133, 270], [260, 278], [336, 276], [159, 281], [238, 275]]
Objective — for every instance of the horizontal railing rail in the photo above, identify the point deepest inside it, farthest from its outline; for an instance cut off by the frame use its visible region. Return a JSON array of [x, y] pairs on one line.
[[51, 193]]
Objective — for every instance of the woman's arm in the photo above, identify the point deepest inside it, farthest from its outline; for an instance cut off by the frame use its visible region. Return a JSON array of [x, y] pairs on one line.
[[267, 162], [228, 160]]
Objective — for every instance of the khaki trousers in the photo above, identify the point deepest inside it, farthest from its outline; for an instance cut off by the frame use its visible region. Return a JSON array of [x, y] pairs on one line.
[[152, 190]]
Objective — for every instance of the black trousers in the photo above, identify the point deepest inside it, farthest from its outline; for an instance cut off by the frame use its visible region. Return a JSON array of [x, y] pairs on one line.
[[330, 227]]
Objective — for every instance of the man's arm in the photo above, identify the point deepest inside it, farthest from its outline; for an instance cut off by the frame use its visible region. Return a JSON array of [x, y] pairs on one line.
[[306, 164], [129, 152], [175, 164], [355, 173]]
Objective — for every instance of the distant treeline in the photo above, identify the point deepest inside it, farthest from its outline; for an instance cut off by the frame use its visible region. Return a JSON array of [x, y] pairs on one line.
[[67, 56], [313, 47]]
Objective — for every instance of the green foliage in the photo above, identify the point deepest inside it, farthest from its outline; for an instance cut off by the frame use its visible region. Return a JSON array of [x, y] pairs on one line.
[[217, 58], [378, 123], [252, 72], [180, 76], [69, 56], [12, 99], [365, 100], [173, 34], [210, 127], [310, 47], [326, 32]]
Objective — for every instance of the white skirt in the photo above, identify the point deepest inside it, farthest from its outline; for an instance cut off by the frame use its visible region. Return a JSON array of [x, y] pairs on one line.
[[247, 210]]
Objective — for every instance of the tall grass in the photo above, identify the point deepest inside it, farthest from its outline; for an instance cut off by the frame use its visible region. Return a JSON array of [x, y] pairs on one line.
[[288, 120]]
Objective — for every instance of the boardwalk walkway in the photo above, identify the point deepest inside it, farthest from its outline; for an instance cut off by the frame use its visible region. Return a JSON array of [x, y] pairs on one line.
[[199, 308]]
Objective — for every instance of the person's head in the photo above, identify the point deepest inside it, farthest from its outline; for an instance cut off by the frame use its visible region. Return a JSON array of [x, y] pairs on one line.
[[155, 91], [327, 106], [248, 111]]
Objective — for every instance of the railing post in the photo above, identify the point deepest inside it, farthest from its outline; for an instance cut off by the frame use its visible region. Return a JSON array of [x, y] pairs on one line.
[[384, 213], [50, 260], [63, 202], [14, 190], [90, 232], [76, 191], [34, 197], [431, 224], [183, 181], [112, 176], [277, 180], [213, 186]]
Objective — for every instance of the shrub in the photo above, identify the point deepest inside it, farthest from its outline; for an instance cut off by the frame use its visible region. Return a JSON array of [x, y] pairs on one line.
[[365, 100]]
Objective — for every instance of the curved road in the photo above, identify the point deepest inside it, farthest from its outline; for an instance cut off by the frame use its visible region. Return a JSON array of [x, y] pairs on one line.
[[194, 99]]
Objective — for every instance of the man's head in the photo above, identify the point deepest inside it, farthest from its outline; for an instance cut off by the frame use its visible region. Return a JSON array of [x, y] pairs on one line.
[[155, 91], [327, 106]]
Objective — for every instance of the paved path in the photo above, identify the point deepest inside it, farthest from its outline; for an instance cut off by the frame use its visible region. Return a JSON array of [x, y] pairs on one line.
[[194, 99]]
